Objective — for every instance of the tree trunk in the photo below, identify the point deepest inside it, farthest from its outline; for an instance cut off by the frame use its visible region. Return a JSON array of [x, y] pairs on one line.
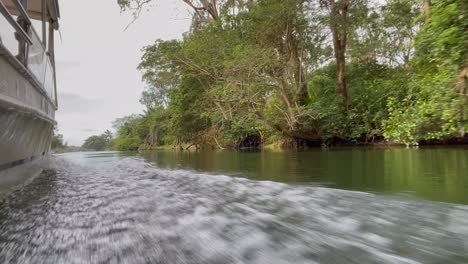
[[340, 76], [155, 136], [291, 113], [427, 7], [208, 6], [338, 26], [298, 71]]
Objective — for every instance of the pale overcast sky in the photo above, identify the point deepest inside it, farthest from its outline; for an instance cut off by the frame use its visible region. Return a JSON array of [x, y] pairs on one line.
[[96, 61]]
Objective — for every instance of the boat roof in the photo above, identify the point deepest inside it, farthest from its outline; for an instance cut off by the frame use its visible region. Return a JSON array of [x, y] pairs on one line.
[[34, 10]]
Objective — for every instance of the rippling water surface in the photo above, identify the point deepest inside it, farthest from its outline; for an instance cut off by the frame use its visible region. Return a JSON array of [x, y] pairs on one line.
[[100, 208]]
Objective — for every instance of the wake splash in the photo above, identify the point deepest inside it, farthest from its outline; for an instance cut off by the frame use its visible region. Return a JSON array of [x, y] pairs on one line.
[[128, 211]]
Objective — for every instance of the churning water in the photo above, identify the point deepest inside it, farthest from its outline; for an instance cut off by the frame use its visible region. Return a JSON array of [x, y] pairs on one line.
[[125, 210]]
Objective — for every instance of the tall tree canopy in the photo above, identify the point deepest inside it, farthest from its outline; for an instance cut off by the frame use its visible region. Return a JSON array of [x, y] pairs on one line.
[[306, 70], [98, 142]]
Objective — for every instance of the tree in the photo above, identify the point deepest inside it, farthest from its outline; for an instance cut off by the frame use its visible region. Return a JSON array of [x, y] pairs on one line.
[[107, 135], [131, 132], [341, 21], [204, 11], [272, 68], [266, 69], [57, 141], [119, 122], [399, 24], [98, 142], [436, 106], [427, 7], [338, 21], [159, 72], [442, 52]]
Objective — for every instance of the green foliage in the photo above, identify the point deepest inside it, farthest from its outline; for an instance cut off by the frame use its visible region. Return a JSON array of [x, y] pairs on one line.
[[128, 142], [188, 118], [239, 127], [57, 142], [369, 86], [130, 132], [98, 142], [433, 107], [397, 27], [443, 41], [159, 72], [429, 111], [266, 67]]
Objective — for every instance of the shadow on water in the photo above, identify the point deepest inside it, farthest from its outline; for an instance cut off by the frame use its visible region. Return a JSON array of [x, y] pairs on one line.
[[36, 191]]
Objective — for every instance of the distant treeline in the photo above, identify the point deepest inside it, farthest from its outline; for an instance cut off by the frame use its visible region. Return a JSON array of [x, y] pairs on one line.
[[100, 142], [58, 145], [305, 72]]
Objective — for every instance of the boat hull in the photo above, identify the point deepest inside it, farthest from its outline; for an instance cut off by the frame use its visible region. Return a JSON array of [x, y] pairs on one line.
[[26, 126], [24, 147]]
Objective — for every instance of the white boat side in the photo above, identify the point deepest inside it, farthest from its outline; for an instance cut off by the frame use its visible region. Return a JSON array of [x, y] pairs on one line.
[[27, 88]]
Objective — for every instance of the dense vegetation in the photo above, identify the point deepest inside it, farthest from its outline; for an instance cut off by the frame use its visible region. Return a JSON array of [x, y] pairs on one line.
[[57, 143], [305, 71], [98, 142]]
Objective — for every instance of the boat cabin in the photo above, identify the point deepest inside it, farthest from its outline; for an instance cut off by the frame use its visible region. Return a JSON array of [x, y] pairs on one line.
[[20, 39]]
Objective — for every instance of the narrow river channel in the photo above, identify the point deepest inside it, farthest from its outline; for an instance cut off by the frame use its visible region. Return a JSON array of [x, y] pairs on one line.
[[337, 206]]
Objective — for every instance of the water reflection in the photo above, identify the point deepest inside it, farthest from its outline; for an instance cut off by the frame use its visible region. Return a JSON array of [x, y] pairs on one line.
[[438, 174]]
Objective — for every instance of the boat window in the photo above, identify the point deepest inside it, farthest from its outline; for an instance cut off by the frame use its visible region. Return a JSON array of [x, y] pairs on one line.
[[15, 35], [36, 56], [7, 36], [49, 82], [37, 25]]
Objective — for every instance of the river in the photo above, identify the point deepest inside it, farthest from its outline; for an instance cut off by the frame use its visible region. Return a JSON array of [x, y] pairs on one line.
[[336, 206]]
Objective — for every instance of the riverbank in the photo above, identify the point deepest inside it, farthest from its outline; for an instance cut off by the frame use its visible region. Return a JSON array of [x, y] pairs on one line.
[[313, 144]]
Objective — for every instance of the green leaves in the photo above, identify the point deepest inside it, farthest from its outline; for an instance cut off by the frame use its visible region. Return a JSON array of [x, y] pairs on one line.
[[266, 66], [443, 40], [98, 142]]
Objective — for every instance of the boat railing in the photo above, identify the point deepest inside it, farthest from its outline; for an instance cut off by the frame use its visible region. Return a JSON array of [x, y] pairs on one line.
[[11, 20], [20, 38]]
